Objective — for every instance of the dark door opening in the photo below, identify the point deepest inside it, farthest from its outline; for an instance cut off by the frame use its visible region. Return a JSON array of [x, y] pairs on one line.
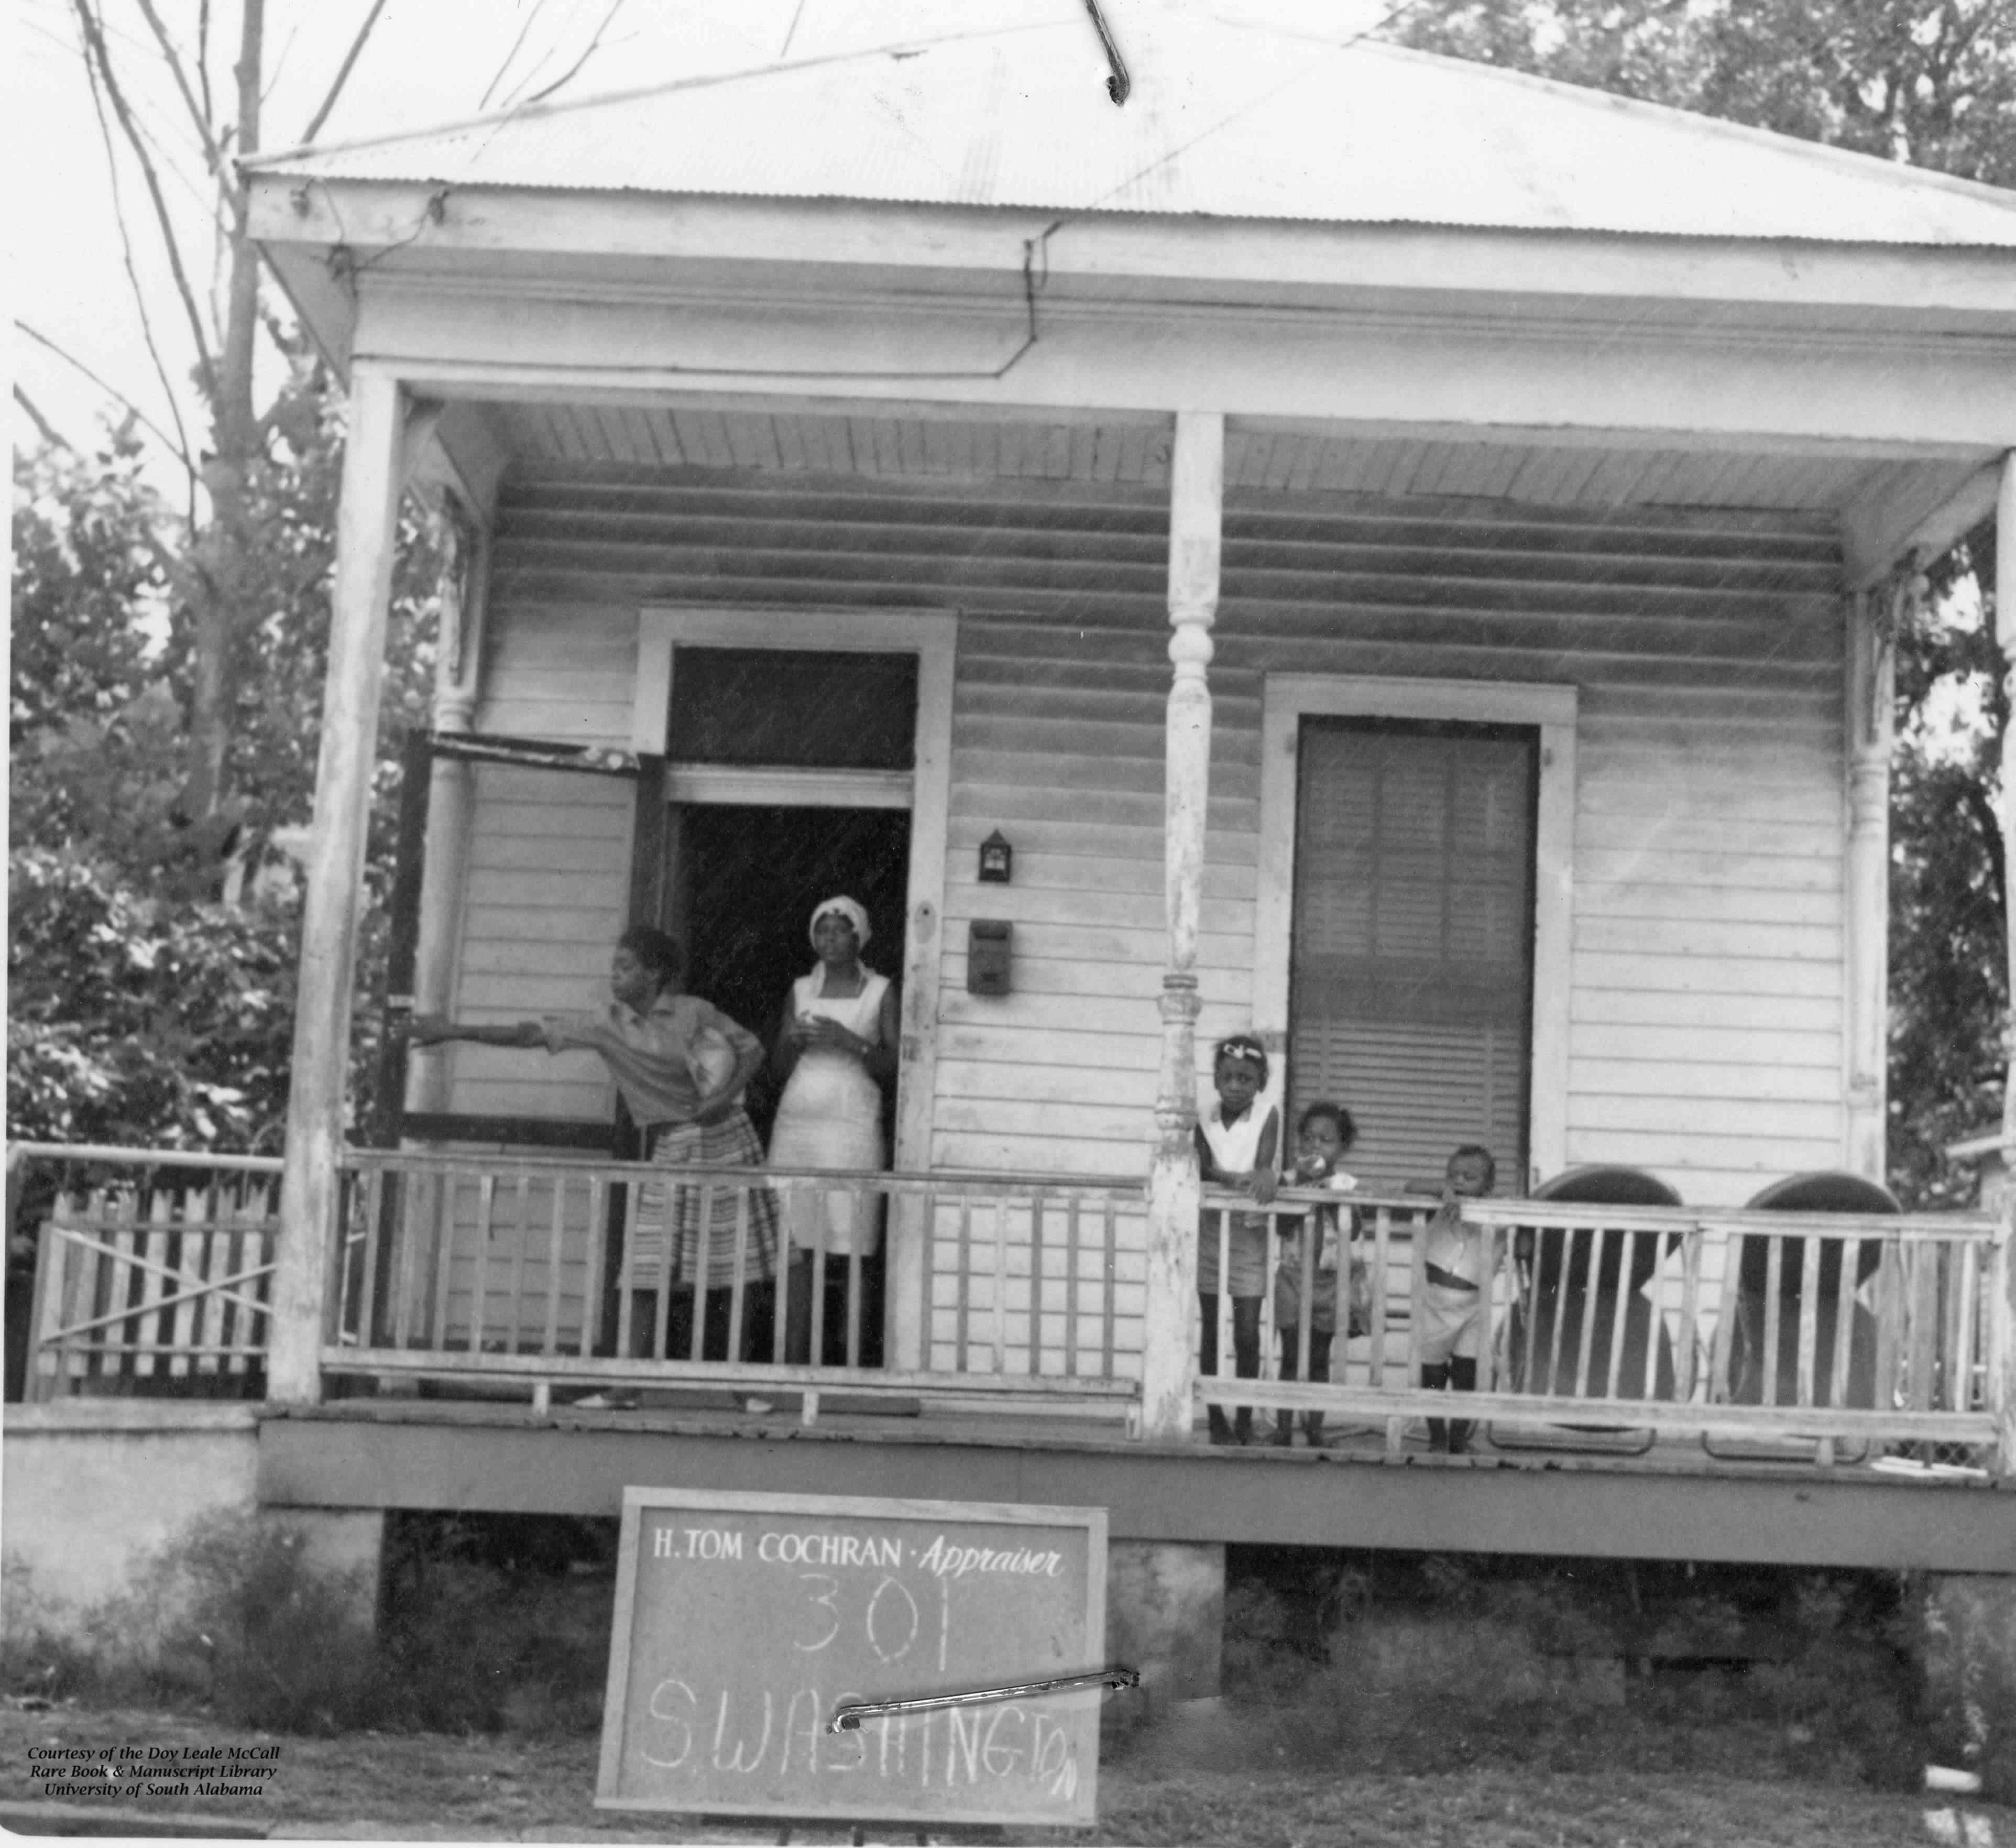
[[744, 883]]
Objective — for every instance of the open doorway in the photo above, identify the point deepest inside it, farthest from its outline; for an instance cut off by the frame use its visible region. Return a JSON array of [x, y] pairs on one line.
[[744, 882]]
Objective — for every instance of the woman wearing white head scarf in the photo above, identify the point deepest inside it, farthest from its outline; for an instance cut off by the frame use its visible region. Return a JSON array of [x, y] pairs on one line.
[[835, 1050]]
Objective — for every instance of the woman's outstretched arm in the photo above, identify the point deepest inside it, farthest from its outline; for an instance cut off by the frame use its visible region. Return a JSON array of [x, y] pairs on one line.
[[433, 1029]]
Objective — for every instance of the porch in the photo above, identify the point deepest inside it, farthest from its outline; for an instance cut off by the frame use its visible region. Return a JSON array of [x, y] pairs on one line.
[[1711, 1344]]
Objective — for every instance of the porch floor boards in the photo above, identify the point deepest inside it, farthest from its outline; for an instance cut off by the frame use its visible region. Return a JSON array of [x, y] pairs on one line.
[[1094, 1430]]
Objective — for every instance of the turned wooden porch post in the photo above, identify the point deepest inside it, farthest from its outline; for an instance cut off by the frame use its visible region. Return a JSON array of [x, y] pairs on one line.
[[1871, 731], [366, 527], [2003, 1390], [1196, 493]]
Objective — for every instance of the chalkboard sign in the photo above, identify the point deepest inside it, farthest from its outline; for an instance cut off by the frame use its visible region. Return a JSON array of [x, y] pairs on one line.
[[743, 1621]]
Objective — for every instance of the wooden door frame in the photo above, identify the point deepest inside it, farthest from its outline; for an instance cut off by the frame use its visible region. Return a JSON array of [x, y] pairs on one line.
[[1290, 698], [932, 637]]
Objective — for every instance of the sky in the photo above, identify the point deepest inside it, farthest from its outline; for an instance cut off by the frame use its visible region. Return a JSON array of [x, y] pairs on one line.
[[426, 61]]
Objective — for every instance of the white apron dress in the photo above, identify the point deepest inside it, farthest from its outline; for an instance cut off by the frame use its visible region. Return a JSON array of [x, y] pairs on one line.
[[830, 1116]]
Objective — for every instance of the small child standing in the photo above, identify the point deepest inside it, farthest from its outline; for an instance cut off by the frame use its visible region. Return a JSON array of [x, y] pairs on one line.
[[1238, 1145], [1449, 1319], [1322, 1137]]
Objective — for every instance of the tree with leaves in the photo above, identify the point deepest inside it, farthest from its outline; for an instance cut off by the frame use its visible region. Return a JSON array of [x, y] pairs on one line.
[[142, 1008], [1931, 82]]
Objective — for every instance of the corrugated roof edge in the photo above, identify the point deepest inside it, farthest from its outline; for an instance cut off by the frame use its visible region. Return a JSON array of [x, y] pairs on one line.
[[1870, 166], [266, 162]]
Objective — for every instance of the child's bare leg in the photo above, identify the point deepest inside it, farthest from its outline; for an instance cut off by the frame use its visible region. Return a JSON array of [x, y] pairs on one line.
[[1221, 1431], [1435, 1378], [1463, 1378], [1284, 1420], [1312, 1422], [1246, 1358]]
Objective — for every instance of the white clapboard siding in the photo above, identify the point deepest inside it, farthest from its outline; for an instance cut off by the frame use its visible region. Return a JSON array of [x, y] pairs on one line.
[[1704, 1009]]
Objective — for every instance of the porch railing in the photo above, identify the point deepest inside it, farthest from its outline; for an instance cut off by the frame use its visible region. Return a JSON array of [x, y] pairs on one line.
[[1822, 1331], [1838, 1335], [152, 1270], [562, 1273]]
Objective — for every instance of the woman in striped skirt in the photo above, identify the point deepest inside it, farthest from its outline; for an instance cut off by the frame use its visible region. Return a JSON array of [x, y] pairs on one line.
[[681, 1065]]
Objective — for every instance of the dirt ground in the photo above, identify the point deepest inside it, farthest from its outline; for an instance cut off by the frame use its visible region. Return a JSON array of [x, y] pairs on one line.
[[372, 1787]]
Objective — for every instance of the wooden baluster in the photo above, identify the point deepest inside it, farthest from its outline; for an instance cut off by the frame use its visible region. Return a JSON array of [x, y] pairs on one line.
[[1728, 1301], [1071, 1202], [1889, 1322], [444, 1263], [421, 1205], [1620, 1309], [374, 1235], [521, 1236], [45, 1316], [1844, 1322], [591, 1286], [118, 1276], [1923, 1333], [1000, 1283], [237, 1239], [1306, 1241], [1960, 1374], [964, 1325], [1226, 1369], [1655, 1318], [149, 1342], [1773, 1312], [1036, 1281], [703, 1269], [1108, 1340], [1685, 1376], [862, 1218], [1486, 1290], [1810, 1310], [780, 1320], [486, 1229], [1585, 1350], [672, 1210], [629, 1279], [817, 1290], [928, 1296], [549, 1339], [736, 1346], [1382, 1257]]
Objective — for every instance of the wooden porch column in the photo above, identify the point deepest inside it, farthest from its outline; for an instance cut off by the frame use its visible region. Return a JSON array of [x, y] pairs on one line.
[[1197, 495], [1871, 729], [2003, 1391], [366, 529]]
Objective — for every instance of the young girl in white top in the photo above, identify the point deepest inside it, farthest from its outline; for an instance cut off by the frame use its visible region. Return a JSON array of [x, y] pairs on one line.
[[1238, 1145]]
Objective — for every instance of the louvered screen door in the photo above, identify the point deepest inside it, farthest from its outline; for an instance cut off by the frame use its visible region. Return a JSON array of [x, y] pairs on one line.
[[1412, 983]]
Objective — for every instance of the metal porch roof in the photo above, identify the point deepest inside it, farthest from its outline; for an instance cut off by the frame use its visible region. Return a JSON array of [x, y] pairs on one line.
[[1256, 118]]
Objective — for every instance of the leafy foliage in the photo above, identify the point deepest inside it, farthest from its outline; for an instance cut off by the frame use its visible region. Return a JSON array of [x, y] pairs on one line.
[[1932, 82], [144, 1009]]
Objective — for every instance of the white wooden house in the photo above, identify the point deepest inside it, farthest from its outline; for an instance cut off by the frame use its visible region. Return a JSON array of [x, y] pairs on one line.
[[1403, 552]]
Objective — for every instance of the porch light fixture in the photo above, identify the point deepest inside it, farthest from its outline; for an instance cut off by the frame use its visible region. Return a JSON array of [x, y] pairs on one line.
[[997, 860]]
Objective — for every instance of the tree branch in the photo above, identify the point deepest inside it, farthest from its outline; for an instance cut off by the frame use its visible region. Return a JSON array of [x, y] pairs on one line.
[[48, 431], [112, 392], [343, 70], [574, 69], [212, 154], [95, 44]]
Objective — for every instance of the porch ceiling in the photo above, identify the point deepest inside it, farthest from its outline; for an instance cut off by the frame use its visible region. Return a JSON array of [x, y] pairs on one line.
[[1522, 468]]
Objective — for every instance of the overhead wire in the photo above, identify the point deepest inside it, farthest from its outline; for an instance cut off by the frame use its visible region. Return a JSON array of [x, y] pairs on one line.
[[1035, 267]]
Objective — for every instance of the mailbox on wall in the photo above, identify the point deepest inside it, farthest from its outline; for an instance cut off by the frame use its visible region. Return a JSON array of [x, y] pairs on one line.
[[987, 957]]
